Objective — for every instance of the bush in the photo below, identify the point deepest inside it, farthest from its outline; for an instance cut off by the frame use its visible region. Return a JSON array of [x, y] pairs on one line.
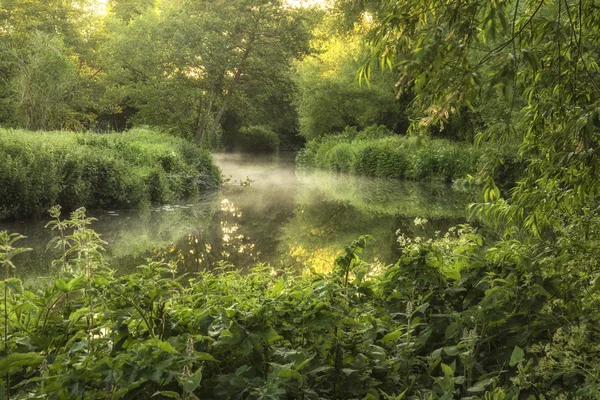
[[98, 171], [375, 151], [341, 157], [454, 317], [254, 139]]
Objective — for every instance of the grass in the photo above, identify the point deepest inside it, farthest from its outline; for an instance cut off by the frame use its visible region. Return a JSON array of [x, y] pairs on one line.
[[98, 171], [399, 157]]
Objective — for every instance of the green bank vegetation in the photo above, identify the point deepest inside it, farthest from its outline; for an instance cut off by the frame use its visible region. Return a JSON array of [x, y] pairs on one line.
[[377, 152], [451, 317], [108, 171]]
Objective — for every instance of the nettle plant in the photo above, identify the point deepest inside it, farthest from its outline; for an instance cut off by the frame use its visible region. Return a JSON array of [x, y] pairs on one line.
[[452, 318]]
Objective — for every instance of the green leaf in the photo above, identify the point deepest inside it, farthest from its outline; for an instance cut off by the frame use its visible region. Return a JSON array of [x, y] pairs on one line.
[[17, 360], [516, 356], [304, 363], [204, 357], [317, 370], [193, 382], [391, 337], [76, 283], [166, 393], [451, 350], [289, 373], [422, 308], [61, 285], [447, 370], [164, 346], [481, 385], [278, 288], [451, 330]]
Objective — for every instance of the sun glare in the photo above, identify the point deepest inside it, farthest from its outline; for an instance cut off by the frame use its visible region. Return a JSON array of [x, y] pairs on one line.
[[306, 3], [98, 6]]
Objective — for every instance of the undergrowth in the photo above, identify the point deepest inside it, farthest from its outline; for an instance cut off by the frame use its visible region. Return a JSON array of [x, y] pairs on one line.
[[377, 152], [253, 139], [452, 318], [99, 171]]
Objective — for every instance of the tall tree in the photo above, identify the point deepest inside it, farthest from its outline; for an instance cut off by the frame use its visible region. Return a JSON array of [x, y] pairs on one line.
[[331, 98], [49, 67], [540, 57], [201, 53]]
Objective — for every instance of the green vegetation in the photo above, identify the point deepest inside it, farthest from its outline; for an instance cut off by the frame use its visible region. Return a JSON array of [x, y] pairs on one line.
[[197, 69], [253, 139], [376, 152], [506, 62], [451, 318], [512, 86], [107, 171], [329, 97]]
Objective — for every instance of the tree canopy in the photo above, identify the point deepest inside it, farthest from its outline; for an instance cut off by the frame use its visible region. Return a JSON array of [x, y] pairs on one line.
[[532, 64]]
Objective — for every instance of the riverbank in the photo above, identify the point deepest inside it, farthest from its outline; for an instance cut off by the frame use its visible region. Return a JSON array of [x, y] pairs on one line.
[[399, 157], [98, 171]]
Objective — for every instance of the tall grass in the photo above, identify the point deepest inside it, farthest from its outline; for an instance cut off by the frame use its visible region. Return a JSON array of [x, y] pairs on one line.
[[405, 158], [128, 170]]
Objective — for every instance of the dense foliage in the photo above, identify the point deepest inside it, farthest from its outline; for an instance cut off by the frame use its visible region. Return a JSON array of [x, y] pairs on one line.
[[253, 139], [330, 98], [455, 317], [537, 60], [98, 171], [451, 318], [376, 152], [199, 69]]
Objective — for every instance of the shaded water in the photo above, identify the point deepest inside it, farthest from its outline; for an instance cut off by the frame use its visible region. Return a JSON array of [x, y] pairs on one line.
[[267, 212]]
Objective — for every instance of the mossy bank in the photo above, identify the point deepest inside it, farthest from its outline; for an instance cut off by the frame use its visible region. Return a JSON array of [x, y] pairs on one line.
[[98, 171]]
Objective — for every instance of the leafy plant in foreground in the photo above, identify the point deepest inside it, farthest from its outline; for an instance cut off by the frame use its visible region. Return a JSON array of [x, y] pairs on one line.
[[452, 318]]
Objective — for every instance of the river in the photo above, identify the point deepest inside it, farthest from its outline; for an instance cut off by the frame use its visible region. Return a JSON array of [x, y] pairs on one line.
[[267, 212]]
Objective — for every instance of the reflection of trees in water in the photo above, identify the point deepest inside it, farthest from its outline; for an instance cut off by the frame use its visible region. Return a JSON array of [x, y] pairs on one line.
[[243, 231], [132, 236], [320, 230], [285, 222], [311, 225], [392, 197], [332, 215]]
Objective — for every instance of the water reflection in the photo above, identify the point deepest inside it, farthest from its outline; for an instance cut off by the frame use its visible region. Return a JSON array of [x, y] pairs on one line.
[[284, 217]]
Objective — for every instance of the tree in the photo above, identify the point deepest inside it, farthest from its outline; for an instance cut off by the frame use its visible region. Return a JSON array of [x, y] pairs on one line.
[[49, 67], [540, 57], [331, 98], [194, 58], [43, 85]]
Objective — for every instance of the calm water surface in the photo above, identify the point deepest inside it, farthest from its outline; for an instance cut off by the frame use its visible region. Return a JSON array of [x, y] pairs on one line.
[[267, 212]]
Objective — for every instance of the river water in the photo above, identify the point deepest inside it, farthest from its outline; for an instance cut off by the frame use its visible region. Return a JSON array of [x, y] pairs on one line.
[[267, 212]]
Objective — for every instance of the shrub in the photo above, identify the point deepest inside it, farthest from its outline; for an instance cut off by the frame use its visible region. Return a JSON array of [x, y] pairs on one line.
[[454, 317], [97, 170], [366, 159], [254, 139], [376, 152], [341, 157], [374, 132]]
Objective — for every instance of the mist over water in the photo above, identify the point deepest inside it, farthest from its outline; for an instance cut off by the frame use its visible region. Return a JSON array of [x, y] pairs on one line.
[[266, 212]]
